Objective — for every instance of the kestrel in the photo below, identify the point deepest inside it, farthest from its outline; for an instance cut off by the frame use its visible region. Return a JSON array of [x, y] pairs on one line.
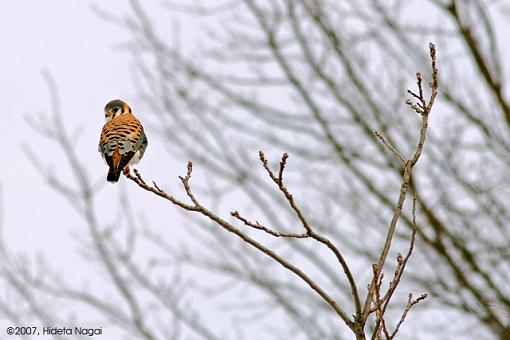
[[123, 141]]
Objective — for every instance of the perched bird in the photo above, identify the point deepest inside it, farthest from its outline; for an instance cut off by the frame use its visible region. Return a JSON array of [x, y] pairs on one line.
[[123, 141]]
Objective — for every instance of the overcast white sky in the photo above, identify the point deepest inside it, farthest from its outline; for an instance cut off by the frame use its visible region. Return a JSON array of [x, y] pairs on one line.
[[84, 54]]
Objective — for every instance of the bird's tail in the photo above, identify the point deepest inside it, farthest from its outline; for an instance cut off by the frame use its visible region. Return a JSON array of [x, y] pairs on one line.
[[113, 176]]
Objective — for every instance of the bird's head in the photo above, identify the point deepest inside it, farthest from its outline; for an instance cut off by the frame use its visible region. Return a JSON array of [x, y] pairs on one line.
[[115, 108]]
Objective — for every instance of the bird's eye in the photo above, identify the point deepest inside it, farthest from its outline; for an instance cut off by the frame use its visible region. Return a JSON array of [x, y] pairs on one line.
[[115, 109]]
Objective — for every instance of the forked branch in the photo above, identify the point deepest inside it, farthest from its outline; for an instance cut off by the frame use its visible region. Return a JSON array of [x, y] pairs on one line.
[[423, 107], [198, 207]]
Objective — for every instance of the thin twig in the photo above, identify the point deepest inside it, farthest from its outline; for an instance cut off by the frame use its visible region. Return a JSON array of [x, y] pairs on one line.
[[309, 231], [141, 183], [381, 304], [278, 180], [410, 304], [426, 107], [390, 146], [380, 321], [259, 226]]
